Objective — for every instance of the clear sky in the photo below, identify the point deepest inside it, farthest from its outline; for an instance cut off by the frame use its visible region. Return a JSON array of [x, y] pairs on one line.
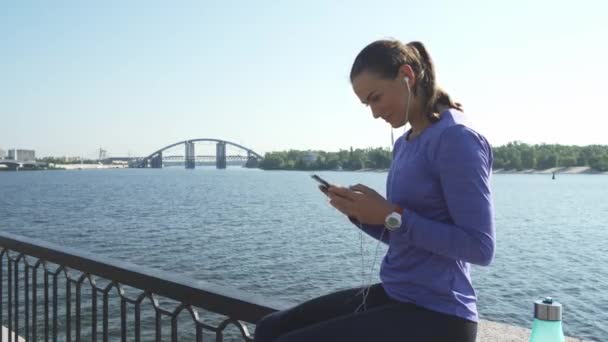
[[134, 76]]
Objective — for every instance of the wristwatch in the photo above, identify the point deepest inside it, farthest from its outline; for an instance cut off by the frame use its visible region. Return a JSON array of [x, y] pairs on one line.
[[393, 220]]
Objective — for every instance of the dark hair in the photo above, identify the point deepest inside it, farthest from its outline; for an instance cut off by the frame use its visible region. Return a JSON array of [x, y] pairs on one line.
[[385, 57]]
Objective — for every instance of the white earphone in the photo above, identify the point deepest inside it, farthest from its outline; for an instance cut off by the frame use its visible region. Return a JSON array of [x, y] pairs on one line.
[[365, 288], [407, 110], [409, 95]]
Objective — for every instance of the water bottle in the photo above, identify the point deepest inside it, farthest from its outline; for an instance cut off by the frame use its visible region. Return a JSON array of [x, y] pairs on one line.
[[547, 326]]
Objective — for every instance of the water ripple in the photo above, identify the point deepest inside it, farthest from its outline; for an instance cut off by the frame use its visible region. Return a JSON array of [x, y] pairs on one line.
[[274, 234]]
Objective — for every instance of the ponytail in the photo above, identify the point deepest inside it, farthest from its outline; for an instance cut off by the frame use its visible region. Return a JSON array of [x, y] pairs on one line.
[[435, 96]]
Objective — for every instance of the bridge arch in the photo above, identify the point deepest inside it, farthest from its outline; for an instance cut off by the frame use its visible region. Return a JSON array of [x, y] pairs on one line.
[[189, 144]]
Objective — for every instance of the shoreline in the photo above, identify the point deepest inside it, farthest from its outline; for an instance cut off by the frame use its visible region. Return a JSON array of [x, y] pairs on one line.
[[573, 170]]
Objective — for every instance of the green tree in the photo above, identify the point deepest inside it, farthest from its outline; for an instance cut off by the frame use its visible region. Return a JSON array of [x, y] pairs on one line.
[[272, 161], [547, 161], [528, 157], [514, 155], [599, 162], [379, 158]]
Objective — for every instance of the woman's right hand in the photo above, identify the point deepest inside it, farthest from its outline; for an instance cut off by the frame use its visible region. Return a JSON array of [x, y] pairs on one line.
[[333, 192], [362, 203]]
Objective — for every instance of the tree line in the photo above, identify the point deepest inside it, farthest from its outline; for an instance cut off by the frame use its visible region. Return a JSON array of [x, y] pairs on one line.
[[512, 156], [521, 156], [353, 159]]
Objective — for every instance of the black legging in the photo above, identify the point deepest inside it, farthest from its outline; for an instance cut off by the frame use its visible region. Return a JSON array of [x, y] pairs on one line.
[[332, 318]]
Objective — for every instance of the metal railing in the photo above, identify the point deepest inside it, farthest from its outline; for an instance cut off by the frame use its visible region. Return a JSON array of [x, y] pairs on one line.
[[32, 272]]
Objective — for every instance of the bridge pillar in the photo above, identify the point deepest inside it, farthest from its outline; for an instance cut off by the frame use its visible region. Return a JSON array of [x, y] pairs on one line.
[[190, 156], [252, 161], [220, 155], [157, 161]]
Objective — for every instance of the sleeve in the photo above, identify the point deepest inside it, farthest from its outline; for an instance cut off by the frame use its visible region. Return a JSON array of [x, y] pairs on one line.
[[464, 163], [375, 231]]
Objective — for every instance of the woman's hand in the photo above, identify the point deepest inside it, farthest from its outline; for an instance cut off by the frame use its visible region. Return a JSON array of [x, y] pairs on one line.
[[360, 202]]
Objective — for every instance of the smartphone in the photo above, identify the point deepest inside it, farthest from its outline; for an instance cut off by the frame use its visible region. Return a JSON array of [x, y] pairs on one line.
[[324, 184]]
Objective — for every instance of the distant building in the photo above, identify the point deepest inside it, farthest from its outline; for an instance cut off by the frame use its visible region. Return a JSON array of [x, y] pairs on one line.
[[22, 155], [2, 154], [310, 157]]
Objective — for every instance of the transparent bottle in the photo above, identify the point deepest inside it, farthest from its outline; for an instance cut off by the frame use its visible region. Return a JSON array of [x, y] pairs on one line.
[[547, 326]]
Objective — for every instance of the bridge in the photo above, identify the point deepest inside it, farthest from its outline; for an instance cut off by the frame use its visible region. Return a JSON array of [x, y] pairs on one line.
[[19, 164], [190, 159]]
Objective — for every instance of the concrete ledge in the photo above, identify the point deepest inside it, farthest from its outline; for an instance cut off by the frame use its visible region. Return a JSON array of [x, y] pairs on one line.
[[500, 332], [5, 335], [488, 332]]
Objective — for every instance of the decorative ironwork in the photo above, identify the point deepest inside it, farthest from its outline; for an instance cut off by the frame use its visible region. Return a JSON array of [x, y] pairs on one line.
[[37, 310]]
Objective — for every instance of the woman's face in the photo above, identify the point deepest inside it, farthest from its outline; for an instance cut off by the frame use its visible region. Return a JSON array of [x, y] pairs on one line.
[[386, 97]]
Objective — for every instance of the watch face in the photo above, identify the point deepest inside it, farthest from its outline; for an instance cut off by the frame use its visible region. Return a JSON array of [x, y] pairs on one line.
[[393, 222]]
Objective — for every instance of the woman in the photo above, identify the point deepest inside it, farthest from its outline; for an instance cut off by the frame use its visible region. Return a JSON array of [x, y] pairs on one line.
[[437, 218]]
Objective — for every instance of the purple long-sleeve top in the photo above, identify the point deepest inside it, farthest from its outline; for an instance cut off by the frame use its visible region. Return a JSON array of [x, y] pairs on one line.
[[441, 179]]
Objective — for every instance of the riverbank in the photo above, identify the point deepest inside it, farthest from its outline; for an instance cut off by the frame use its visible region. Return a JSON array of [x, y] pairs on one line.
[[557, 170], [89, 166], [67, 167]]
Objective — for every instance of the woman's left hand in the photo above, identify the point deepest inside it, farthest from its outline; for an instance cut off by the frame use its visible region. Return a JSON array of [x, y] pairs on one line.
[[361, 202]]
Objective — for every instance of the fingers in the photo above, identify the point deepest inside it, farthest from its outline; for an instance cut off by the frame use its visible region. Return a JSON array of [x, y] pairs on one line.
[[344, 205], [362, 188], [341, 191], [342, 211], [323, 189]]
